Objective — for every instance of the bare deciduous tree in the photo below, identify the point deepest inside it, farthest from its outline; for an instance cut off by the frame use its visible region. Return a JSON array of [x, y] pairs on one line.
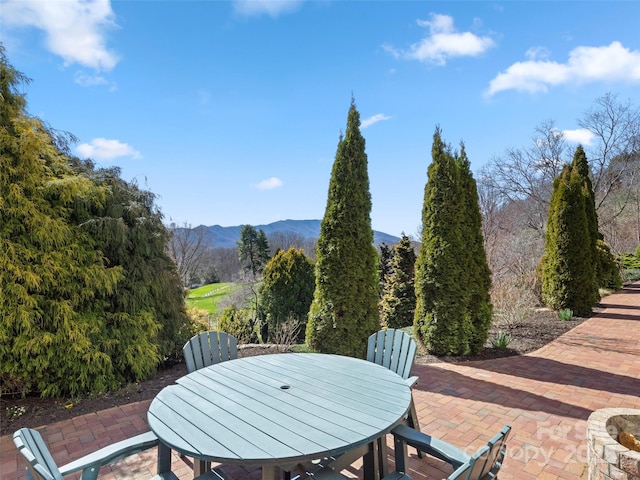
[[187, 247], [612, 155], [528, 174]]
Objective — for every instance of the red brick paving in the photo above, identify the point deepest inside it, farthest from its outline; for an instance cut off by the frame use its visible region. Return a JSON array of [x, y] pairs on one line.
[[546, 397]]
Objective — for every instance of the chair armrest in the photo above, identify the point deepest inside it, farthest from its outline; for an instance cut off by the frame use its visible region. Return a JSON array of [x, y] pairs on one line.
[[412, 381], [431, 445], [90, 464]]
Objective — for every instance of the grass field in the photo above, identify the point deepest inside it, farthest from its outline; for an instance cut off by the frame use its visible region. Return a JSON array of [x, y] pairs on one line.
[[208, 296]]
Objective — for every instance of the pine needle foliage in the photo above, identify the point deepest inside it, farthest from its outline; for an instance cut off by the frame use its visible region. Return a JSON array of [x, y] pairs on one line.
[[344, 311], [398, 302], [453, 310], [253, 250]]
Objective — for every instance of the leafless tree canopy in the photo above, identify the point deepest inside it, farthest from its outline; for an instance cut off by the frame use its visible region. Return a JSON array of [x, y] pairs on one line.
[[613, 155], [187, 247], [527, 174]]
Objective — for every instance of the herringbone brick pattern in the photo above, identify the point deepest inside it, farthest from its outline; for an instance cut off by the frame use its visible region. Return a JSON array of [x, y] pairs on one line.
[[546, 396]]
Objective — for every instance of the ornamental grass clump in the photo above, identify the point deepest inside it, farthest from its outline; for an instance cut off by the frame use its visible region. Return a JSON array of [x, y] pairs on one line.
[[501, 341], [565, 314]]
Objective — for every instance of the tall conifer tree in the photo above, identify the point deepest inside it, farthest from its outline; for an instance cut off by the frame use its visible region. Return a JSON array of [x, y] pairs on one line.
[[567, 269], [442, 319], [607, 274], [479, 282], [344, 311], [398, 302]]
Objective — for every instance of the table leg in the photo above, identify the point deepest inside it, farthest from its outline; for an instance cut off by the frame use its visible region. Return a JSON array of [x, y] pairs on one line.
[[200, 467], [271, 472], [383, 459], [371, 462]]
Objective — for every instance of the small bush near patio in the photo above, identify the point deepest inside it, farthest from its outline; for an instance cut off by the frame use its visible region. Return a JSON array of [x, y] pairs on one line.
[[237, 322]]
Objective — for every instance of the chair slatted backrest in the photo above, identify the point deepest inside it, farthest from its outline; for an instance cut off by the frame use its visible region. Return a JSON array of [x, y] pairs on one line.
[[209, 348], [497, 447], [40, 463], [393, 349], [473, 468]]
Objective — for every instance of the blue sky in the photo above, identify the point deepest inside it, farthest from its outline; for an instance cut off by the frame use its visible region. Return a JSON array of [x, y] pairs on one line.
[[230, 111]]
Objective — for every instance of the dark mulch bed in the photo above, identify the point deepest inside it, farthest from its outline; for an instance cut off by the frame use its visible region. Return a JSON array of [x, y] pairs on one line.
[[529, 335]]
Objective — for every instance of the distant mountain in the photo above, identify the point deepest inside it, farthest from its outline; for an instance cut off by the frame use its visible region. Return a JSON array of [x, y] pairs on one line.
[[227, 237]]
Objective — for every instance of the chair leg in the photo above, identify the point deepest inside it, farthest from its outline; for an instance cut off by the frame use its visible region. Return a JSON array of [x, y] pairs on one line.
[[400, 454], [414, 422], [164, 458]]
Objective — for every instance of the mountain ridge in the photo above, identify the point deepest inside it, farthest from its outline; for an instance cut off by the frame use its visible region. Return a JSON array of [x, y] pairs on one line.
[[216, 236]]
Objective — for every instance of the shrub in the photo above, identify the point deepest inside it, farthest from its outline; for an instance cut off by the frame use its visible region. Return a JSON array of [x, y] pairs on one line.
[[608, 269], [237, 322], [197, 321], [286, 292], [512, 302], [632, 274], [286, 333]]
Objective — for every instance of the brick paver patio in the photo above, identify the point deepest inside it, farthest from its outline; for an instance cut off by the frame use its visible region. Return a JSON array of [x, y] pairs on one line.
[[546, 396]]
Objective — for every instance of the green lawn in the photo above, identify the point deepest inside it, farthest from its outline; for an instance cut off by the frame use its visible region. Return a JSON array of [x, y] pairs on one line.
[[208, 296]]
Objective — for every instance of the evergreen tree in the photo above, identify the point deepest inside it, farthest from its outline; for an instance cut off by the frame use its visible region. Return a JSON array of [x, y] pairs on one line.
[[148, 308], [398, 302], [50, 270], [479, 281], [442, 319], [287, 290], [88, 297], [607, 273], [344, 310], [384, 268], [581, 168], [253, 249], [568, 268]]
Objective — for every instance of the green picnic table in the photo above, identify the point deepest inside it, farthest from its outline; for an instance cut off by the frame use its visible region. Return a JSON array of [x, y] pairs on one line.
[[280, 410]]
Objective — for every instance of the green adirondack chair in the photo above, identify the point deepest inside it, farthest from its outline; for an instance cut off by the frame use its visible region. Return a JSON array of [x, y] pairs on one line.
[[209, 348], [470, 470], [396, 350], [42, 466], [483, 465]]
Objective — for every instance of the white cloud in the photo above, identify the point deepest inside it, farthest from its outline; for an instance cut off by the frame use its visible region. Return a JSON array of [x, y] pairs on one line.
[[585, 64], [75, 29], [537, 53], [84, 80], [269, 184], [273, 8], [580, 135], [105, 149], [443, 43], [374, 119]]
